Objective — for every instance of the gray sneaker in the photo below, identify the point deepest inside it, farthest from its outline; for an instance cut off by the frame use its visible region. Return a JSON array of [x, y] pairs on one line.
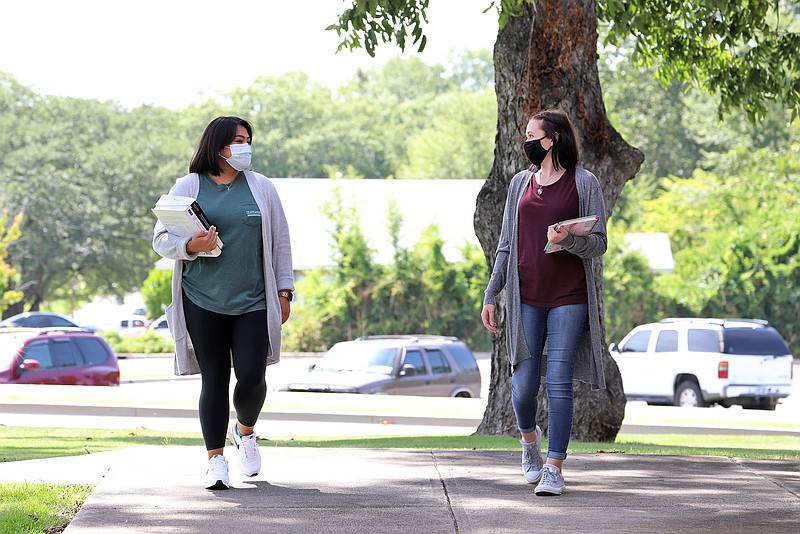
[[552, 482], [532, 458]]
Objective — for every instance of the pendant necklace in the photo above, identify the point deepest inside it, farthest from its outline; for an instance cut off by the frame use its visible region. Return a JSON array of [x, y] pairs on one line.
[[541, 187], [229, 185]]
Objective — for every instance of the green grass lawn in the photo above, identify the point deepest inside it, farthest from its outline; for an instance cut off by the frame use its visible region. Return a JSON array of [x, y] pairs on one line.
[[23, 443], [45, 508], [48, 508]]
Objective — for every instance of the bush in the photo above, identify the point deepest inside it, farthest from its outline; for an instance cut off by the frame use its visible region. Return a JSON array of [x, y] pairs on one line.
[[145, 343], [157, 292]]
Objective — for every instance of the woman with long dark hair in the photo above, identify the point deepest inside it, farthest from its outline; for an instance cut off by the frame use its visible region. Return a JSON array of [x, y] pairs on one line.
[[551, 301]]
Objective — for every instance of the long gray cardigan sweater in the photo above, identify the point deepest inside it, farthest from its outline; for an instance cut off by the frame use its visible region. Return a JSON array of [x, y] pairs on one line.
[[277, 266], [589, 361]]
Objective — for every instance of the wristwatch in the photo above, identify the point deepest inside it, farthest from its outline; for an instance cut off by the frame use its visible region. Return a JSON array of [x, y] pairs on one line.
[[285, 293]]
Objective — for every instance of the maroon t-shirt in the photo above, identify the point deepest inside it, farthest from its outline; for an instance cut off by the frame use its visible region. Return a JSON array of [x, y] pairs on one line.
[[548, 280]]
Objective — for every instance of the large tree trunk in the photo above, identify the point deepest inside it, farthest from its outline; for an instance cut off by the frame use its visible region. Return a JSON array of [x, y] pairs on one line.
[[547, 58]]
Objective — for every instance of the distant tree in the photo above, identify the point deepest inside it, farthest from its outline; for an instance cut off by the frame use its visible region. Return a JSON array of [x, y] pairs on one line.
[[471, 69], [735, 236], [84, 176], [458, 141], [9, 232]]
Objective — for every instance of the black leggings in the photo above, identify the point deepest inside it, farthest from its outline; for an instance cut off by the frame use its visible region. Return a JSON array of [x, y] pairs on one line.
[[217, 338]]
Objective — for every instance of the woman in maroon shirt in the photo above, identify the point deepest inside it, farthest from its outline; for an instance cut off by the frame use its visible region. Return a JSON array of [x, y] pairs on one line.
[[548, 295]]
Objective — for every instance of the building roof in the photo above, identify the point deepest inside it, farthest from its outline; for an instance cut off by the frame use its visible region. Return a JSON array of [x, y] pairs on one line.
[[655, 247]]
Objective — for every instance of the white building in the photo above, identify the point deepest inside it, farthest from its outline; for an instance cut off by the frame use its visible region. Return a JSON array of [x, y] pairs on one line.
[[450, 204]]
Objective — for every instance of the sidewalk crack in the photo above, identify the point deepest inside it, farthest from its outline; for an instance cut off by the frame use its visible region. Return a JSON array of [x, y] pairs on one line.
[[744, 466], [446, 494]]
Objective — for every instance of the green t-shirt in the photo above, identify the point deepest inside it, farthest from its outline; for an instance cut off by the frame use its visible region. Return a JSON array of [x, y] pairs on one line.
[[233, 282]]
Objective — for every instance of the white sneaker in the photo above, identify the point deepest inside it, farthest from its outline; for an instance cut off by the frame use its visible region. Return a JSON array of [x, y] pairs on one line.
[[532, 458], [217, 473], [249, 457], [552, 482]]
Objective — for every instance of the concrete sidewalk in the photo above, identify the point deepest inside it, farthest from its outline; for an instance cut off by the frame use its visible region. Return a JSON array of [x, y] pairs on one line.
[[309, 490]]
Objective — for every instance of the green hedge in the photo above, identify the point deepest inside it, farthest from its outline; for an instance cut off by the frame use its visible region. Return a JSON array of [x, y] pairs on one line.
[[145, 343]]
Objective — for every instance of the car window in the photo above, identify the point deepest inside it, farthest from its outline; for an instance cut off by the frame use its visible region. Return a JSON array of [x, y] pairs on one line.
[[414, 357], [42, 321], [703, 340], [357, 357], [463, 357], [39, 351], [439, 364], [9, 346], [667, 341], [638, 342], [755, 341], [92, 350], [63, 353]]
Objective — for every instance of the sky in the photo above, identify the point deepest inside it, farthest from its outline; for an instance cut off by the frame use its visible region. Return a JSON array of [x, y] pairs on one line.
[[173, 53]]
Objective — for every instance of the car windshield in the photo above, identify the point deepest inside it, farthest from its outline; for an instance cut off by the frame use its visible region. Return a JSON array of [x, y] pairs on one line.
[[755, 341], [9, 345], [358, 357]]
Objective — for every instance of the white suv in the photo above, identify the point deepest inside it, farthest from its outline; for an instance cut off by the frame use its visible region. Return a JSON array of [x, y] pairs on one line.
[[699, 362]]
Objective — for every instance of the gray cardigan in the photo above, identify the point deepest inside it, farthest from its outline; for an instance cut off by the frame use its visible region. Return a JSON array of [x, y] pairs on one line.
[[589, 361], [277, 266]]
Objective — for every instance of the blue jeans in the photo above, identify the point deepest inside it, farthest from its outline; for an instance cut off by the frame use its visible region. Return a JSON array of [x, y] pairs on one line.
[[562, 327]]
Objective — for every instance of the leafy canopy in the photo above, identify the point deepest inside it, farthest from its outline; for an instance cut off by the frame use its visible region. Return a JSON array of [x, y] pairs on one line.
[[747, 52]]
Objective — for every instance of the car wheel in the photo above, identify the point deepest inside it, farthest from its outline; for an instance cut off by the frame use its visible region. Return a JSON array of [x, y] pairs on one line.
[[688, 394], [463, 395]]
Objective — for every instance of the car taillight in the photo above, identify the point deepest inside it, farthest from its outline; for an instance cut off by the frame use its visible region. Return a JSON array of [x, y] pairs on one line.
[[722, 370]]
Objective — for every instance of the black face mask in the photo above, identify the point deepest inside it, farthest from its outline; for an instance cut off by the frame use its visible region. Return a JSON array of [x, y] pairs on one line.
[[535, 152]]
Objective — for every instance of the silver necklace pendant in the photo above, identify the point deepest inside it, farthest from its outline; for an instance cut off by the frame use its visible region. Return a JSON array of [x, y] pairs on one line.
[[541, 188]]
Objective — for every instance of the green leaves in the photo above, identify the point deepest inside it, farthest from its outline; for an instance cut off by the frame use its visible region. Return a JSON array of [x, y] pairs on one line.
[[735, 239], [747, 53], [368, 23]]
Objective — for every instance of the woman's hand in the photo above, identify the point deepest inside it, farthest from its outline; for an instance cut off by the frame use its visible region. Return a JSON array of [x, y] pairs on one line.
[[202, 241], [487, 316], [556, 236], [286, 309]]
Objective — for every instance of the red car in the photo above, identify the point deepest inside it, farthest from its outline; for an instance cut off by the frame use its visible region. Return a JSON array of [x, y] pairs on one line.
[[56, 356]]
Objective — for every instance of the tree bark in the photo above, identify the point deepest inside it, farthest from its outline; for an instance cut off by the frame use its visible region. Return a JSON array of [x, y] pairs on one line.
[[547, 58]]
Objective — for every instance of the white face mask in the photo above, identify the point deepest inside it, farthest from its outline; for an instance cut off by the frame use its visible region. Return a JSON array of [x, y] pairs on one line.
[[241, 155]]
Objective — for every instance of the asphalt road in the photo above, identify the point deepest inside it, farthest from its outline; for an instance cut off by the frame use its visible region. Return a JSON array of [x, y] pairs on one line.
[[148, 383]]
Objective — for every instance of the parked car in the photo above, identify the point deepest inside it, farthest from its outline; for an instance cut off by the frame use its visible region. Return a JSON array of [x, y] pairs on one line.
[[700, 362], [132, 326], [42, 320], [398, 365], [160, 326], [56, 356]]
